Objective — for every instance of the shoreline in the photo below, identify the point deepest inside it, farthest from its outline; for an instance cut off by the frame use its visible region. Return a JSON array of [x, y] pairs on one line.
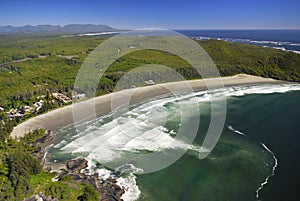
[[77, 170], [62, 117]]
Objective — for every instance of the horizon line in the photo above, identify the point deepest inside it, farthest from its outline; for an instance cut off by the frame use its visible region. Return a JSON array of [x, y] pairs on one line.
[[203, 28]]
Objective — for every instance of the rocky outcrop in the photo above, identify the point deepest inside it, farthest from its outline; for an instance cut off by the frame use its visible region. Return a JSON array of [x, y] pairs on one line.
[[39, 154], [47, 138], [76, 170], [108, 189], [42, 142], [77, 164]]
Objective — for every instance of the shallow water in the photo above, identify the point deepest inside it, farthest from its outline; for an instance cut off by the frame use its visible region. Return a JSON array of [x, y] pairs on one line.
[[235, 170]]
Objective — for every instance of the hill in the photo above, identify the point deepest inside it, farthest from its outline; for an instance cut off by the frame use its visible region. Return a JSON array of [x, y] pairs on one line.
[[55, 29]]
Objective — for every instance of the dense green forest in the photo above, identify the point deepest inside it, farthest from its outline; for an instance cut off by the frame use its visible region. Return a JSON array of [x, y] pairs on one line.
[[22, 176], [57, 60], [50, 64]]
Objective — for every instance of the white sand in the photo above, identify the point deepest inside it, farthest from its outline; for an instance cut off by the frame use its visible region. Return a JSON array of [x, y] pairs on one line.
[[62, 117]]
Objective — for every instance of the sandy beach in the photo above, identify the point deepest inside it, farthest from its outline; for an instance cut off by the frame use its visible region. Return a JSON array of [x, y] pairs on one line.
[[101, 105]]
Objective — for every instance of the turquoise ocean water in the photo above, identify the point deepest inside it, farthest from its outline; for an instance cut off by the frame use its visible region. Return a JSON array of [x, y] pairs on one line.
[[256, 158]]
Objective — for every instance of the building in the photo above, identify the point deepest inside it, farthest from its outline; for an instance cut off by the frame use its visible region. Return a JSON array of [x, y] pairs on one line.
[[38, 105], [61, 97], [27, 108], [14, 113], [149, 82], [78, 96]]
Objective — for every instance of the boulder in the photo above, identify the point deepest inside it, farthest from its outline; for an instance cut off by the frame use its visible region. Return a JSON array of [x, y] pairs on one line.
[[77, 164]]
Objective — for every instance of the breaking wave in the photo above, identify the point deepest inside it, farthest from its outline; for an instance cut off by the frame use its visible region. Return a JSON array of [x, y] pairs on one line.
[[236, 131], [280, 45], [272, 173], [147, 128]]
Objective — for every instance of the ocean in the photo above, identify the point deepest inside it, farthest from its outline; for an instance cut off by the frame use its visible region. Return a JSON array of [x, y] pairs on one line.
[[256, 157], [283, 39]]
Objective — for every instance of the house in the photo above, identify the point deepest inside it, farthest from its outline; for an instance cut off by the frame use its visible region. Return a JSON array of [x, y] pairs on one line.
[[61, 97], [149, 82], [38, 105], [27, 108], [41, 97], [78, 96], [14, 113]]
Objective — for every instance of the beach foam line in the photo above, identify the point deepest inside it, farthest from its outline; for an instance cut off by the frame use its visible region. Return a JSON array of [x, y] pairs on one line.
[[269, 176], [63, 117], [236, 131], [105, 141], [129, 131], [132, 191], [263, 43], [140, 131], [126, 181]]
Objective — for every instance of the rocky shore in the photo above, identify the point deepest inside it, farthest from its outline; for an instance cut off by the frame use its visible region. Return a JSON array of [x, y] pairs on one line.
[[77, 170]]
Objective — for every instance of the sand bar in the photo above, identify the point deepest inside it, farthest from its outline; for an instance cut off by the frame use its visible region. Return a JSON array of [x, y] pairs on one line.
[[101, 105]]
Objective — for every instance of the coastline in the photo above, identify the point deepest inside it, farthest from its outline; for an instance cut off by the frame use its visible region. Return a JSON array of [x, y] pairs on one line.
[[77, 170], [62, 117]]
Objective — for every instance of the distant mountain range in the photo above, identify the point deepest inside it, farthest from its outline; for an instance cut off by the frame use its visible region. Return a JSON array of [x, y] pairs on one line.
[[55, 29]]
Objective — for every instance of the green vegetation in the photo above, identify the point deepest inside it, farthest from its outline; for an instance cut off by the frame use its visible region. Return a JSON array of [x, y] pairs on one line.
[[17, 168], [64, 189], [17, 47], [22, 176], [234, 58], [22, 82], [52, 65]]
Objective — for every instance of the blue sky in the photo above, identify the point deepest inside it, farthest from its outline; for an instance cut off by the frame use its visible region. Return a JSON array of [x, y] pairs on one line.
[[188, 14]]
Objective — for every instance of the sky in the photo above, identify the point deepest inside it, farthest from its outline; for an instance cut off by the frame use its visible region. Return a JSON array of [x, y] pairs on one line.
[[131, 14]]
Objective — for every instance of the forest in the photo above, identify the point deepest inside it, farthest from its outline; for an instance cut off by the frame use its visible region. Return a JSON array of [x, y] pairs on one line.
[[53, 63], [34, 67]]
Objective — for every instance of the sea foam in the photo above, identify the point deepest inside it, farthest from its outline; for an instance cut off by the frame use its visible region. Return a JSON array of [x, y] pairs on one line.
[[236, 131], [142, 128], [110, 137], [272, 173]]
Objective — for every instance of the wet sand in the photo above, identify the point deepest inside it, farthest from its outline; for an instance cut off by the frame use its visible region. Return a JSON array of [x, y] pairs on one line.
[[101, 105]]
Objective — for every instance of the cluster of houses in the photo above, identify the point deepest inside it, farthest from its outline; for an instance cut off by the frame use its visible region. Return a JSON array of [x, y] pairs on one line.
[[23, 110], [64, 99]]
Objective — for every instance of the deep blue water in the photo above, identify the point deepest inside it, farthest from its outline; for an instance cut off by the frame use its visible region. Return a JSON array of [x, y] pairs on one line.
[[281, 39]]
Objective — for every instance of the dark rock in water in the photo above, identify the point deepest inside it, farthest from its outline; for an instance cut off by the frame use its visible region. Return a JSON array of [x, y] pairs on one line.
[[76, 170], [42, 142], [47, 138], [109, 190], [77, 164]]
